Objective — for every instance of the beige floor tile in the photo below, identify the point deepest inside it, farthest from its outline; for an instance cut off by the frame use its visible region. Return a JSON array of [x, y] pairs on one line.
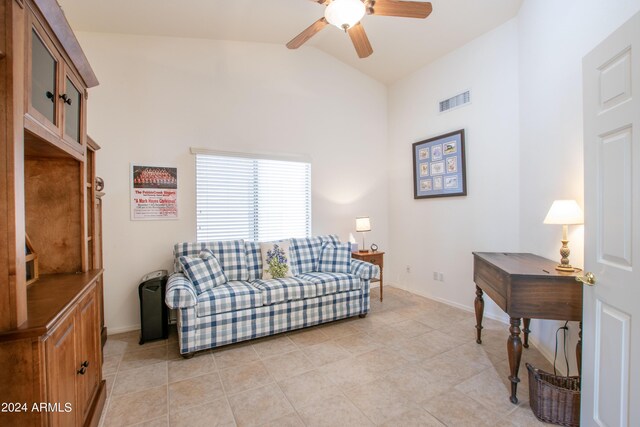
[[452, 368], [381, 360], [139, 379], [521, 417], [200, 364], [332, 412], [456, 409], [114, 347], [244, 377], [414, 350], [386, 335], [291, 420], [287, 365], [358, 343], [412, 382], [391, 317], [309, 389], [141, 358], [134, 408], [110, 380], [110, 364], [413, 418], [349, 372], [339, 329], [273, 346], [173, 351], [216, 413], [325, 352], [439, 341], [158, 422], [260, 405], [235, 355], [308, 336], [194, 391], [379, 401], [489, 389], [412, 328]]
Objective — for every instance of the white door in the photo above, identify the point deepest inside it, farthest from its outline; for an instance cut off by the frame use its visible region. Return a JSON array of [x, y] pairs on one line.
[[611, 319]]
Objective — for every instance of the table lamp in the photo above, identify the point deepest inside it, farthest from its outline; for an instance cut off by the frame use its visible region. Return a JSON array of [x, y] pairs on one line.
[[362, 226], [564, 212]]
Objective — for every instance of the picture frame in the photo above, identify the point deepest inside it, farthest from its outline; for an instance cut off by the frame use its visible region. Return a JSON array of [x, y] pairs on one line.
[[444, 163]]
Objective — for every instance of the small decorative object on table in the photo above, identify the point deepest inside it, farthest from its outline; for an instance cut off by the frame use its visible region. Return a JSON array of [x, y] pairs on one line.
[[374, 257], [564, 212], [374, 247]]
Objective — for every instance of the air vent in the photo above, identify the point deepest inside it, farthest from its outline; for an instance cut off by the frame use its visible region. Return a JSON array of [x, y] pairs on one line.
[[455, 101]]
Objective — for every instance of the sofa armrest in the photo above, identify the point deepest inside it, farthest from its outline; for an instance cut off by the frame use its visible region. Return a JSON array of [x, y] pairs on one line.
[[364, 270], [180, 292]]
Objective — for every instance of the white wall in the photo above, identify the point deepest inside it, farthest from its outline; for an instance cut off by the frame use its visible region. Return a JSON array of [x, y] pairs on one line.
[[159, 96], [554, 36], [440, 234]]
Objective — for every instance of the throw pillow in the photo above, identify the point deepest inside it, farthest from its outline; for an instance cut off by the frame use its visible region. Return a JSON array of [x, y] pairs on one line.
[[204, 272], [335, 258], [276, 260]]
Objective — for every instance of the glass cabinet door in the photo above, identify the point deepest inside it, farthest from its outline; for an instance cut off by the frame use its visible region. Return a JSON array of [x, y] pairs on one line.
[[43, 78], [72, 98]]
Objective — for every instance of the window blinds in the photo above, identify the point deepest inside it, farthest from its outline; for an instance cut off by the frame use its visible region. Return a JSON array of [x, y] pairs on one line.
[[252, 199]]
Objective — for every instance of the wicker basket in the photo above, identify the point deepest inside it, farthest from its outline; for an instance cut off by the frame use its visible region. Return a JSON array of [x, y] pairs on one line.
[[553, 398]]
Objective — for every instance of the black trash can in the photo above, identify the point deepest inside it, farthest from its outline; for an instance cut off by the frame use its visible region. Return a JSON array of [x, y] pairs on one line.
[[154, 315]]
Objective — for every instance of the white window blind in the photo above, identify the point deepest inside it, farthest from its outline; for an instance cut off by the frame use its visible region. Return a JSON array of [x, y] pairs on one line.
[[252, 199]]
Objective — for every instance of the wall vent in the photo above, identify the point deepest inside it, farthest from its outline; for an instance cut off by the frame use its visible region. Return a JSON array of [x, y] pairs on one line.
[[455, 101]]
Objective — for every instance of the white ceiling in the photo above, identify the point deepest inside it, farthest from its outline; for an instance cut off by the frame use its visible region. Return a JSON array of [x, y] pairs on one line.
[[401, 45]]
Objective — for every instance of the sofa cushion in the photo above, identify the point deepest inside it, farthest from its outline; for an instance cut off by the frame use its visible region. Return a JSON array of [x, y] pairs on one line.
[[335, 258], [231, 255], [232, 296], [204, 272], [331, 283], [330, 238], [286, 289], [276, 260], [254, 260], [305, 253]]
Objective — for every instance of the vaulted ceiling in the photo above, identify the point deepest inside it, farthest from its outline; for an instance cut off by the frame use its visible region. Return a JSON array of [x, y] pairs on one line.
[[401, 45]]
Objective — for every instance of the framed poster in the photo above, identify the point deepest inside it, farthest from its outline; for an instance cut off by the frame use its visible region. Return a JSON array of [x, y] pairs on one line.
[[154, 192], [439, 166]]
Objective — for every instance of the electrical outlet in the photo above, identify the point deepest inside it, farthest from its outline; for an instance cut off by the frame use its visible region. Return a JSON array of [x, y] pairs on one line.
[[408, 269], [435, 275], [441, 277]]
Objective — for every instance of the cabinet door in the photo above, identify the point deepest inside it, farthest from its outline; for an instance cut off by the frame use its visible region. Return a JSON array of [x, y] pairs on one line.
[[73, 102], [61, 373], [43, 73], [88, 360]]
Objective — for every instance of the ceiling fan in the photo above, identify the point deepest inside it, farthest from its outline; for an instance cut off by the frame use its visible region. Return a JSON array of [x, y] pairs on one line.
[[347, 14]]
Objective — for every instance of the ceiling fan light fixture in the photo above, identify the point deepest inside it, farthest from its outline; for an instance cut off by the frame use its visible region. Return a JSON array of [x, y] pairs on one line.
[[344, 14]]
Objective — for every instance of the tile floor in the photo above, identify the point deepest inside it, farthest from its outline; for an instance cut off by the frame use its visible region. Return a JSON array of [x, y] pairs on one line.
[[411, 362]]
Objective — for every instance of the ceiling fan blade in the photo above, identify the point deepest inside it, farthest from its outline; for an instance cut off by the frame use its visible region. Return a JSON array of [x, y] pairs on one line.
[[360, 40], [404, 9], [301, 38]]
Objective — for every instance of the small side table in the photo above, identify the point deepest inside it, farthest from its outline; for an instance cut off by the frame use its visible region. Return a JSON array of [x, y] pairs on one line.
[[376, 258]]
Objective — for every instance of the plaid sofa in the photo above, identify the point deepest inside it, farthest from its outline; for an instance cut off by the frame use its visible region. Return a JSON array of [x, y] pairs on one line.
[[248, 307]]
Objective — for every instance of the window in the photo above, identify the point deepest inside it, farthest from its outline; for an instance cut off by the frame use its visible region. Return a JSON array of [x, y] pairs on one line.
[[252, 198]]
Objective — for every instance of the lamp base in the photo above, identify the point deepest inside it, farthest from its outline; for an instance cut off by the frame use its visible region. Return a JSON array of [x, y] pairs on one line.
[[565, 267]]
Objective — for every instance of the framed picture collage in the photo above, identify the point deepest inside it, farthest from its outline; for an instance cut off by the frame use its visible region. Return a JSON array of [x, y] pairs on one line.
[[439, 166]]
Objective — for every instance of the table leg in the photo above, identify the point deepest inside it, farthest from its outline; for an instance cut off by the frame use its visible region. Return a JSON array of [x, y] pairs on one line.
[[526, 331], [579, 349], [479, 306], [514, 349]]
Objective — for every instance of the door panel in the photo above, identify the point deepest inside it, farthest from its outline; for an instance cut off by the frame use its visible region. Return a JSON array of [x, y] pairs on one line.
[[61, 372], [88, 351], [611, 330]]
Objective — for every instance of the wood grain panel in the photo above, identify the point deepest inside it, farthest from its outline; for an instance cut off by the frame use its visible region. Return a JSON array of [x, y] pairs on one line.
[[53, 213], [548, 298], [19, 378]]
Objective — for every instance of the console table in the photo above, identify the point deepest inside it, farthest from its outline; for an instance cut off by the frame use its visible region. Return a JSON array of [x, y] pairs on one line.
[[525, 286]]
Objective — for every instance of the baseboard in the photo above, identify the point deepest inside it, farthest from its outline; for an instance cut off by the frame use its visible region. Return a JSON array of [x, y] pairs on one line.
[[122, 329]]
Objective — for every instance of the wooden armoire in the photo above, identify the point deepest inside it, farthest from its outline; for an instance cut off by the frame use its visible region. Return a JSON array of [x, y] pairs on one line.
[[50, 224]]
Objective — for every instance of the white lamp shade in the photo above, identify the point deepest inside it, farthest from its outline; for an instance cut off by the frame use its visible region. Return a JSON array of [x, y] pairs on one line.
[[344, 14], [564, 212], [363, 224]]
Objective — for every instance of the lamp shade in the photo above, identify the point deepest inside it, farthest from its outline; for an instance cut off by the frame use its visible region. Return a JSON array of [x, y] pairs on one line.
[[363, 224], [564, 212], [344, 14]]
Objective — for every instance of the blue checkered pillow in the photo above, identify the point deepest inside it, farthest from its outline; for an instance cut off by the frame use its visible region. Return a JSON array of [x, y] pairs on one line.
[[305, 252], [204, 272], [335, 258]]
